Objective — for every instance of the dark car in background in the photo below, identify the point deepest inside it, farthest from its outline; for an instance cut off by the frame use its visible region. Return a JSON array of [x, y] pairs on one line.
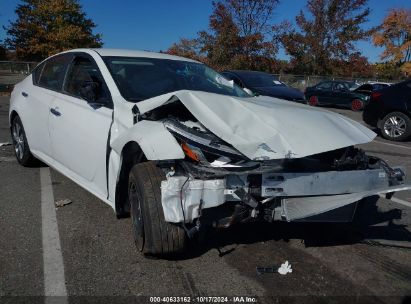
[[389, 110], [368, 88], [335, 93], [261, 83]]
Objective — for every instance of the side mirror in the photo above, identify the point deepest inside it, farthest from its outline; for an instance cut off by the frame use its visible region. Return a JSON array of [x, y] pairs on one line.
[[90, 90]]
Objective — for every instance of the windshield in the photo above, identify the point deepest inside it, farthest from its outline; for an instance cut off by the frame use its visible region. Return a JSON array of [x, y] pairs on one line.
[[260, 80], [143, 78]]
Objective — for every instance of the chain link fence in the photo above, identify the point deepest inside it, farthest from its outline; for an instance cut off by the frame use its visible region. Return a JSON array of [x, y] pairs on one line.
[[11, 72]]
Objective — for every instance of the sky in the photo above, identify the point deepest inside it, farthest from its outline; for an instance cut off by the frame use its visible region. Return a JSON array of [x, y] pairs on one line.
[[155, 25]]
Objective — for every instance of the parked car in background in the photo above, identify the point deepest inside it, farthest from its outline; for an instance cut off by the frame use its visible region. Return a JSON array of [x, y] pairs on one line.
[[335, 93], [264, 84], [389, 110], [368, 88]]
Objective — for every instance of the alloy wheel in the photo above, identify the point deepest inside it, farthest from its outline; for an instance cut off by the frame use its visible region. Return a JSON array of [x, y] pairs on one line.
[[356, 105], [313, 101], [18, 140], [395, 126]]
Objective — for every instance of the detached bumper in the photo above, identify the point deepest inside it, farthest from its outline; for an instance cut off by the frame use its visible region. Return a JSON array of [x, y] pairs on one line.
[[286, 196]]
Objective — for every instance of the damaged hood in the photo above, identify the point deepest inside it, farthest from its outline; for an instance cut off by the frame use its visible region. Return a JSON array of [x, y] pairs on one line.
[[265, 128]]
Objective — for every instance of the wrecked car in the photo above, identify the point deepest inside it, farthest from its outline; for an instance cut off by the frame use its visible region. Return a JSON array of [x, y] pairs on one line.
[[180, 148]]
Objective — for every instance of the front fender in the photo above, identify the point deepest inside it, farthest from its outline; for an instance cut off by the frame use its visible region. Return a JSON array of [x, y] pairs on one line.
[[154, 139]]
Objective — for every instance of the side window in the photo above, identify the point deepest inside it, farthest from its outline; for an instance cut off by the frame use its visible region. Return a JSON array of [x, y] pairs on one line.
[[339, 86], [82, 72], [324, 85], [37, 72], [53, 72]]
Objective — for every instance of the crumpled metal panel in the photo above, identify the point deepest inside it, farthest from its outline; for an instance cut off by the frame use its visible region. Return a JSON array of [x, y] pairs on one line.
[[153, 138], [265, 127]]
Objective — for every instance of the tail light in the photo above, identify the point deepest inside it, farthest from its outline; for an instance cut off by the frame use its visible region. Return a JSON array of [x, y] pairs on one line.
[[376, 96]]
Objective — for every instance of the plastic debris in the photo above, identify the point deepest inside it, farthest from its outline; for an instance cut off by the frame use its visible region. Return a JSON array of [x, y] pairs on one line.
[[261, 270], [62, 203], [5, 144], [285, 268]]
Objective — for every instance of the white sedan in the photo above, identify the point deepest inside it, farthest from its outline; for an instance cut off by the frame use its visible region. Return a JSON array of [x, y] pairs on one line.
[[180, 148]]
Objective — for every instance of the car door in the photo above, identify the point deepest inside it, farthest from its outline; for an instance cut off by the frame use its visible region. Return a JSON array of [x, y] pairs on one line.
[[47, 80], [323, 91], [79, 129], [341, 94]]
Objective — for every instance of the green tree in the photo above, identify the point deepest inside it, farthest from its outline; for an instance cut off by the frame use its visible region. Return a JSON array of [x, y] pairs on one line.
[[46, 27], [326, 34]]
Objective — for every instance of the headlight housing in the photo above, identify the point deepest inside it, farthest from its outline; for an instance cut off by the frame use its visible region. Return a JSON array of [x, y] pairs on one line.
[[201, 146]]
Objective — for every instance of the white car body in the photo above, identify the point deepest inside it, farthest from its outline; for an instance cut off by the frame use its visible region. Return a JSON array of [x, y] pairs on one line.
[[86, 143]]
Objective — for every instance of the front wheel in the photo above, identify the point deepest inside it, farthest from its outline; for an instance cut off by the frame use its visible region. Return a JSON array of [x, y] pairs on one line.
[[152, 234], [396, 126], [20, 144]]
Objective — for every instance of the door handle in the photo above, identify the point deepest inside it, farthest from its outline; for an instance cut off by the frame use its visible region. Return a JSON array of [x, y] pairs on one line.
[[55, 112], [24, 94]]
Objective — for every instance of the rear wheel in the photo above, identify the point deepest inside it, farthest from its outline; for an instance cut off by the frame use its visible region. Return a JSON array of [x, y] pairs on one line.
[[396, 126], [20, 144], [313, 101], [152, 234], [357, 105]]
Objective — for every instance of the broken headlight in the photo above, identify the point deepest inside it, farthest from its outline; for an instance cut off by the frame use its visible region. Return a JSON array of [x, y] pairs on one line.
[[201, 145]]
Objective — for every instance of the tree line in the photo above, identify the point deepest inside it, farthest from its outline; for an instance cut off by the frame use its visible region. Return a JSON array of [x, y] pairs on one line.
[[320, 40]]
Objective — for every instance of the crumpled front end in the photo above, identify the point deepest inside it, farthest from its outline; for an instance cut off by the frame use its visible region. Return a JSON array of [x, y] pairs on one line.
[[216, 183], [274, 195], [231, 159]]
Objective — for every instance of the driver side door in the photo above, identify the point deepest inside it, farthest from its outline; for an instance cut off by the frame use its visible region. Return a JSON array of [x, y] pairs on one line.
[[79, 129]]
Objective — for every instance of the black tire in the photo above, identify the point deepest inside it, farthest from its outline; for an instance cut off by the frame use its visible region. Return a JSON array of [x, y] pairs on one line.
[[396, 126], [20, 144], [152, 234]]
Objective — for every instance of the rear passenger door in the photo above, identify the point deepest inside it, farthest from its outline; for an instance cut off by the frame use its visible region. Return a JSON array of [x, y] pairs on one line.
[[341, 94], [47, 81], [323, 91], [79, 129]]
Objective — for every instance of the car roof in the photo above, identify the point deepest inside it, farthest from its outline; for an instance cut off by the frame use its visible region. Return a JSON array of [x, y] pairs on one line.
[[131, 53]]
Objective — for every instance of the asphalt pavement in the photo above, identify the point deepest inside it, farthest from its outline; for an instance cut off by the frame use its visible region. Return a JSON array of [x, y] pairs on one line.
[[367, 261]]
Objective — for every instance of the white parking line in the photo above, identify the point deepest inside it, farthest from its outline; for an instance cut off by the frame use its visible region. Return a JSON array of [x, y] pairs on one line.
[[392, 145], [398, 201], [54, 281]]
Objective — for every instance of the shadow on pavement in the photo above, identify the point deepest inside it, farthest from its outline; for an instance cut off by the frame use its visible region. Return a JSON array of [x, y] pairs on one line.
[[369, 223]]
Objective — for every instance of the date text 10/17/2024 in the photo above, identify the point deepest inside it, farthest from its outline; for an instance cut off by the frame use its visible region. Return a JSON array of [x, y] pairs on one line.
[[204, 299]]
